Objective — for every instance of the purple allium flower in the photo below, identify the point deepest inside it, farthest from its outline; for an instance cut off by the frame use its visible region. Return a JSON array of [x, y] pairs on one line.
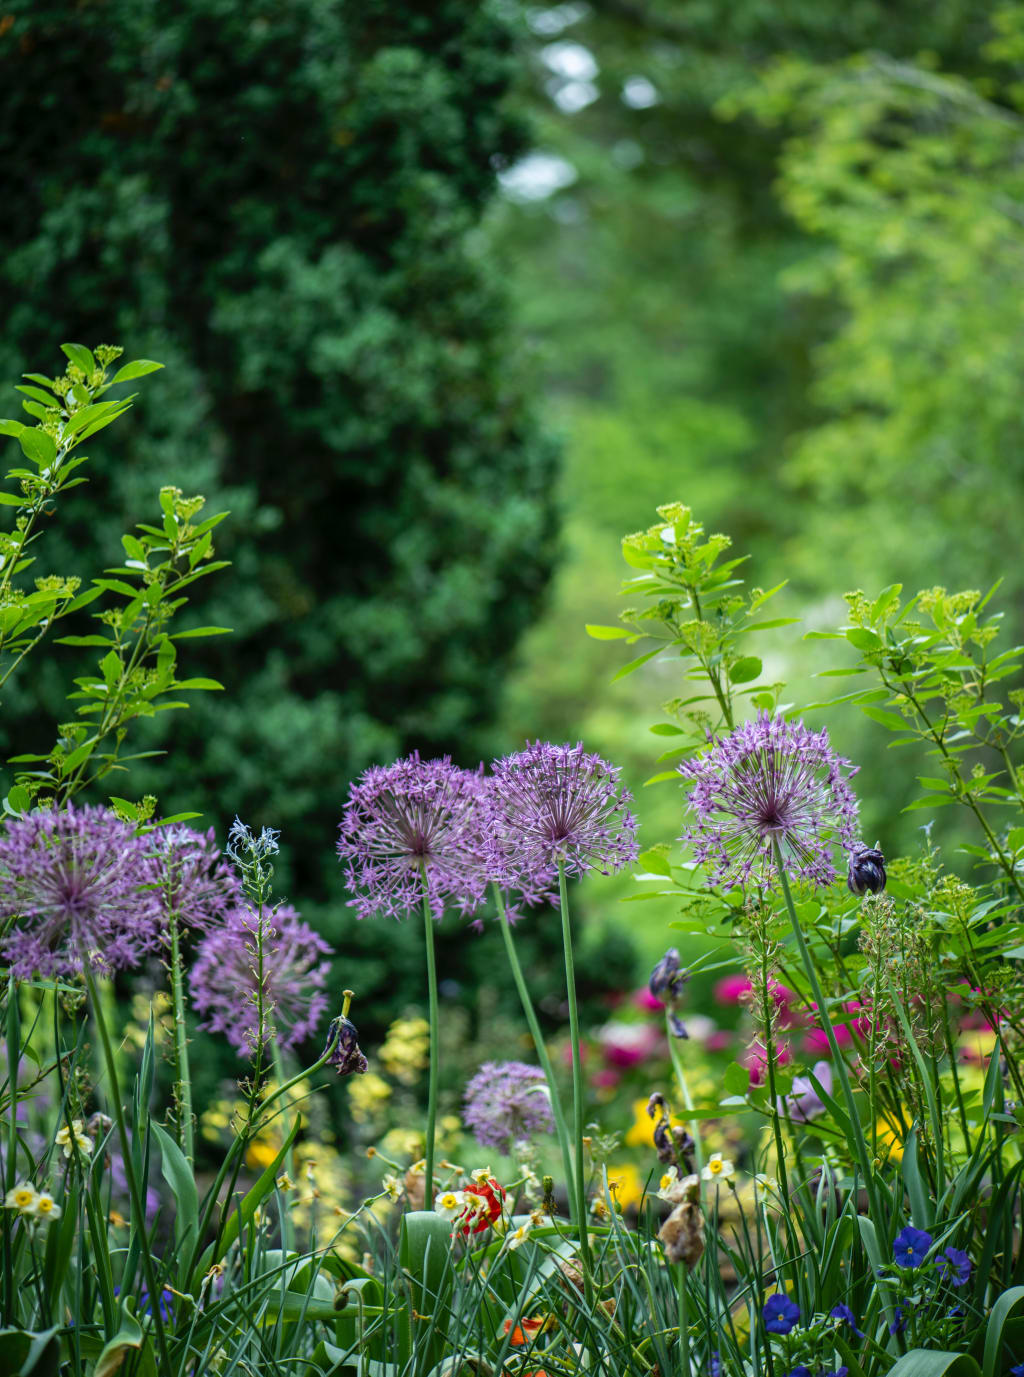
[[224, 980], [552, 804], [769, 781], [412, 824], [910, 1246], [954, 1266], [346, 1056], [196, 884], [77, 882], [845, 1315], [803, 1102], [780, 1314], [506, 1103]]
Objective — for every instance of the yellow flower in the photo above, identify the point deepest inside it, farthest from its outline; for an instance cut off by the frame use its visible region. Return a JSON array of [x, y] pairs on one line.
[[625, 1185], [22, 1198], [261, 1152], [285, 1182], [889, 1142], [392, 1187], [45, 1207], [519, 1236], [73, 1138], [717, 1168], [641, 1132]]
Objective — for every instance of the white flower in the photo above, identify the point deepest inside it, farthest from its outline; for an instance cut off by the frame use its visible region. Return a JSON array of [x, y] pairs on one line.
[[717, 1166], [392, 1187], [74, 1137], [22, 1198], [449, 1204], [667, 1184], [519, 1236], [418, 1168], [483, 1174], [45, 1207], [675, 1188], [765, 1188]]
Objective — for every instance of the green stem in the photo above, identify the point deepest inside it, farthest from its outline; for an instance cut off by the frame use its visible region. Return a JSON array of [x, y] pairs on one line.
[[684, 1090], [682, 1317], [577, 1076], [561, 1127], [428, 928], [837, 1059], [289, 1156], [183, 1081], [138, 1208]]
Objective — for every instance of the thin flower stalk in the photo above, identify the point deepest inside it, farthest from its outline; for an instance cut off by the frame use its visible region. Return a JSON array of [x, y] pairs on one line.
[[434, 1021], [561, 1128], [579, 1180]]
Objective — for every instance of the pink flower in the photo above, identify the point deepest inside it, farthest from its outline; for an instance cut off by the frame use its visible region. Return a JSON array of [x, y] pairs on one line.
[[755, 1059], [643, 999], [719, 1040], [628, 1044], [607, 1079], [731, 988]]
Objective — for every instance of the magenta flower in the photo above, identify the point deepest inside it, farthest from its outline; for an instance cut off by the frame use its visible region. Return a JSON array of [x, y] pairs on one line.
[[196, 883], [412, 825], [557, 804], [78, 884], [770, 782], [507, 1103], [225, 978]]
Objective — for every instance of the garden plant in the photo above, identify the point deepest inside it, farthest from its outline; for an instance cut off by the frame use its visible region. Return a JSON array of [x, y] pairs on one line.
[[845, 1200]]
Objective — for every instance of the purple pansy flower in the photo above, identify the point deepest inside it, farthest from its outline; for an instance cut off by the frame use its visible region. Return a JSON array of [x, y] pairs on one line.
[[769, 782], [412, 827], [507, 1103], [910, 1246], [78, 884], [780, 1314], [954, 1266], [845, 1315]]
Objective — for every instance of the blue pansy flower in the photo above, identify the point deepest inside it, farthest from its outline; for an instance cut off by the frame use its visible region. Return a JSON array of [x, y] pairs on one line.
[[954, 1267], [715, 1367], [780, 1314], [800, 1371], [899, 1320], [1017, 1371], [910, 1246], [845, 1315]]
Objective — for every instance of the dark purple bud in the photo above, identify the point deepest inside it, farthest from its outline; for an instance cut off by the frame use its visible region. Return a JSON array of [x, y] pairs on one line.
[[346, 1058], [866, 873], [678, 1026], [667, 980]]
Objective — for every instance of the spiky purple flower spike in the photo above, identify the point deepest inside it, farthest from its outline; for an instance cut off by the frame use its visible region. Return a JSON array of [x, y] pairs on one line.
[[78, 883], [554, 804], [770, 781], [414, 823], [225, 979]]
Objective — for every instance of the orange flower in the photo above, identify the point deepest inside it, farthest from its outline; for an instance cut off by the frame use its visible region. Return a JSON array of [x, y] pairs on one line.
[[524, 1333]]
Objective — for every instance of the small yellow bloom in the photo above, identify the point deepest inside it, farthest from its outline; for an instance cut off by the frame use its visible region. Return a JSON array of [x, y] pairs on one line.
[[392, 1187], [599, 1208], [519, 1236], [718, 1168], [45, 1207], [285, 1182], [22, 1198], [766, 1188], [73, 1138]]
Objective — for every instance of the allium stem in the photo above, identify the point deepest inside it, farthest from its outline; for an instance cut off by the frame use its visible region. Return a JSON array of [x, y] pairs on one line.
[[137, 1203], [286, 1128], [561, 1127], [577, 1077], [826, 1024], [684, 1090], [182, 1073], [428, 926]]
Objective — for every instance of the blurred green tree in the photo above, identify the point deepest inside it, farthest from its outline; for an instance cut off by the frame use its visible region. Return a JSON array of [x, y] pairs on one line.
[[281, 202]]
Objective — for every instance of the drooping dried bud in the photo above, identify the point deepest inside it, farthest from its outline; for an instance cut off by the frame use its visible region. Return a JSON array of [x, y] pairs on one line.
[[667, 979], [682, 1234], [346, 1057], [866, 872]]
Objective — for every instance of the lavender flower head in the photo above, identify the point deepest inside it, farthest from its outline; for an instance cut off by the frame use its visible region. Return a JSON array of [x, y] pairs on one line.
[[225, 983], [78, 883], [412, 826], [770, 781], [552, 804], [507, 1103], [196, 884]]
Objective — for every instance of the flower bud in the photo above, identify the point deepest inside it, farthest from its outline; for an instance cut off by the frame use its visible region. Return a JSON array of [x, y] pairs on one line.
[[866, 872], [346, 1057], [667, 980]]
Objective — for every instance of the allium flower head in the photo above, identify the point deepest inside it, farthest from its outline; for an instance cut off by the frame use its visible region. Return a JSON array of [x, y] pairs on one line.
[[224, 979], [554, 804], [412, 824], [769, 781], [75, 882], [506, 1103], [196, 883]]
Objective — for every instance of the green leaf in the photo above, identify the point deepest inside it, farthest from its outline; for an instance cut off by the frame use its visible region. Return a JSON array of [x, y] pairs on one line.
[[918, 1363], [80, 356], [635, 664], [138, 369], [609, 633], [177, 1173], [28, 1353], [666, 729], [197, 684], [658, 778], [424, 1254], [1003, 1333], [202, 631], [10, 499], [110, 668], [745, 670], [655, 862], [83, 640], [38, 446], [862, 639], [12, 428], [128, 1339], [892, 720], [736, 1079]]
